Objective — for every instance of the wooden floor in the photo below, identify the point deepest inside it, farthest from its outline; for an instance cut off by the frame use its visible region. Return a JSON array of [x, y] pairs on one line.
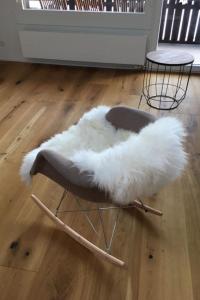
[[37, 261]]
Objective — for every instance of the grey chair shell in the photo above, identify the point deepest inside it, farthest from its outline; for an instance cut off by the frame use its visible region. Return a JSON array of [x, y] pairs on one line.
[[66, 174]]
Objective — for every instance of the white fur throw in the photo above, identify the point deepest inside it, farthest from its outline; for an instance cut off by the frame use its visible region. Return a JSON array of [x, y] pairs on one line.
[[125, 164]]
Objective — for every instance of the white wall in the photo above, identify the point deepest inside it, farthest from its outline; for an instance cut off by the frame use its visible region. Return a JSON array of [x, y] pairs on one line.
[[9, 40]]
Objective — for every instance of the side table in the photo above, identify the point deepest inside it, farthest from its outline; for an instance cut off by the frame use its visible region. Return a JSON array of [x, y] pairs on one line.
[[166, 78]]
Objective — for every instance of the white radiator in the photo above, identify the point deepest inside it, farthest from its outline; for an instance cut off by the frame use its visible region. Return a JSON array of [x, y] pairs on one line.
[[86, 47]]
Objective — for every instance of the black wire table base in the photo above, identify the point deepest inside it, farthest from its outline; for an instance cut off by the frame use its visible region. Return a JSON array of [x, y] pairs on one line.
[[165, 86]]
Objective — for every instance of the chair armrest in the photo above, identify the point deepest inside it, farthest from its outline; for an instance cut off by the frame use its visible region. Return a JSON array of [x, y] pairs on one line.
[[60, 169], [122, 117], [66, 174]]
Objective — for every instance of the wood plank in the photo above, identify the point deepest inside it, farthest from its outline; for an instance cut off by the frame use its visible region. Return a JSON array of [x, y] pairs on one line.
[[15, 283]]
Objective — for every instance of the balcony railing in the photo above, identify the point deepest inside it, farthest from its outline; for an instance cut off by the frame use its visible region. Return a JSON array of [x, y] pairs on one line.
[[180, 23], [131, 6]]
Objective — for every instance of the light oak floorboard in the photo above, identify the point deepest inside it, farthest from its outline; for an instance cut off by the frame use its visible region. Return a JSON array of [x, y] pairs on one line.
[[37, 261]]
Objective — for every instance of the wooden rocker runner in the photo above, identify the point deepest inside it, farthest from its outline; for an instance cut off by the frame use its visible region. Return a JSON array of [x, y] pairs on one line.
[[80, 182], [80, 239]]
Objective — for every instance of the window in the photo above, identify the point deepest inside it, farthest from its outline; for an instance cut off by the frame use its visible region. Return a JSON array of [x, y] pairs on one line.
[[129, 6]]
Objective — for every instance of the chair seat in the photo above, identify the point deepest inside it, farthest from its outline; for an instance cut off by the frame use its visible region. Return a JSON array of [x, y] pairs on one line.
[[65, 173]]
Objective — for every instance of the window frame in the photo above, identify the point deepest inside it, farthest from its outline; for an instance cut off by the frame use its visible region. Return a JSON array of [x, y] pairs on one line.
[[121, 20]]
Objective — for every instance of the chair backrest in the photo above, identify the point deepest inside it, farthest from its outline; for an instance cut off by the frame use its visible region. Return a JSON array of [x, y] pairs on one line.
[[128, 118]]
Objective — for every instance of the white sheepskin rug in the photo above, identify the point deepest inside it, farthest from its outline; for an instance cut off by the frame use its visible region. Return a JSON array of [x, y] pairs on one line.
[[125, 164]]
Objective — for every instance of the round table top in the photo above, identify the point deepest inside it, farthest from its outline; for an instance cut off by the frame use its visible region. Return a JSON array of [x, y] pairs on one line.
[[170, 58]]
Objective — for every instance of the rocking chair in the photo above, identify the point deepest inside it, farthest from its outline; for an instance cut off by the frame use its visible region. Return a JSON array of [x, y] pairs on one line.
[[79, 182]]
